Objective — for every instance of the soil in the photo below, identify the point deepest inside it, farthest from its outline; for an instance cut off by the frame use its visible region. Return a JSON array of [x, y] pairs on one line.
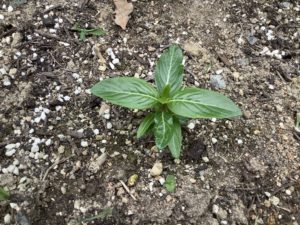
[[72, 150]]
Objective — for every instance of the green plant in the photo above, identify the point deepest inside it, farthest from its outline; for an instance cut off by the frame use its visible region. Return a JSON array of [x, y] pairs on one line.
[[170, 101], [170, 183], [4, 194], [86, 32]]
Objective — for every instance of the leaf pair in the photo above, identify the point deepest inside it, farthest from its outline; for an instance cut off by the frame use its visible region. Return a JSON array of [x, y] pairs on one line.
[[170, 101]]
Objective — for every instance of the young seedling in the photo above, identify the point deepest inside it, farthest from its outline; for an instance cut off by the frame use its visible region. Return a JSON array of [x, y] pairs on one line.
[[86, 32], [170, 101], [4, 195], [170, 183]]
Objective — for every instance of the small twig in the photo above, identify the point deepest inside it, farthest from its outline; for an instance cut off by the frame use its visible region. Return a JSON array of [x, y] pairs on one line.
[[58, 161], [10, 31], [127, 189], [51, 36], [52, 8], [190, 72], [223, 59], [285, 209]]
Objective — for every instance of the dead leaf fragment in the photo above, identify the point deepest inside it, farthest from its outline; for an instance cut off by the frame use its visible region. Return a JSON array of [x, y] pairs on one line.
[[123, 10]]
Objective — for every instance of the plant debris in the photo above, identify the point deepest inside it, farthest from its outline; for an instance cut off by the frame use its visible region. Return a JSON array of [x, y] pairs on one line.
[[123, 10]]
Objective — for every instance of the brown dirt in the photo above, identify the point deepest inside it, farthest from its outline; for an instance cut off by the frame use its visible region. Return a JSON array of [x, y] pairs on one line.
[[255, 158]]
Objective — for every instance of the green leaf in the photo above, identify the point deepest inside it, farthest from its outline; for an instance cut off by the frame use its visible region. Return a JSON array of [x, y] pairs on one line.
[[96, 32], [82, 35], [4, 195], [129, 92], [169, 70], [163, 129], [170, 183], [145, 125], [176, 140], [200, 103], [85, 32], [166, 92]]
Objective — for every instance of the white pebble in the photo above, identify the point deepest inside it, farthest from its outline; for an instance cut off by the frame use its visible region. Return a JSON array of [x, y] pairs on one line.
[[288, 192], [84, 144], [67, 98], [10, 9], [106, 116], [205, 159], [191, 126], [11, 168], [77, 91], [215, 209], [10, 152], [48, 142], [6, 82], [63, 190], [75, 75], [43, 116], [274, 200], [16, 171], [214, 140], [271, 87], [116, 61], [10, 146], [162, 180], [109, 125], [37, 120], [7, 219], [111, 66], [35, 148], [17, 132], [268, 194], [52, 30], [239, 141], [96, 131], [1, 17], [34, 56]]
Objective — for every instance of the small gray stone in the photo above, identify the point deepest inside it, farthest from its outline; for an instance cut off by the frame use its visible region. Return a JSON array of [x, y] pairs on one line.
[[286, 4], [96, 164], [217, 81], [251, 39], [156, 169]]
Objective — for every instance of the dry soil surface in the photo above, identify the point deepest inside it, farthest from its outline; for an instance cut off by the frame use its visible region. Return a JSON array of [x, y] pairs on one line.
[[64, 153]]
